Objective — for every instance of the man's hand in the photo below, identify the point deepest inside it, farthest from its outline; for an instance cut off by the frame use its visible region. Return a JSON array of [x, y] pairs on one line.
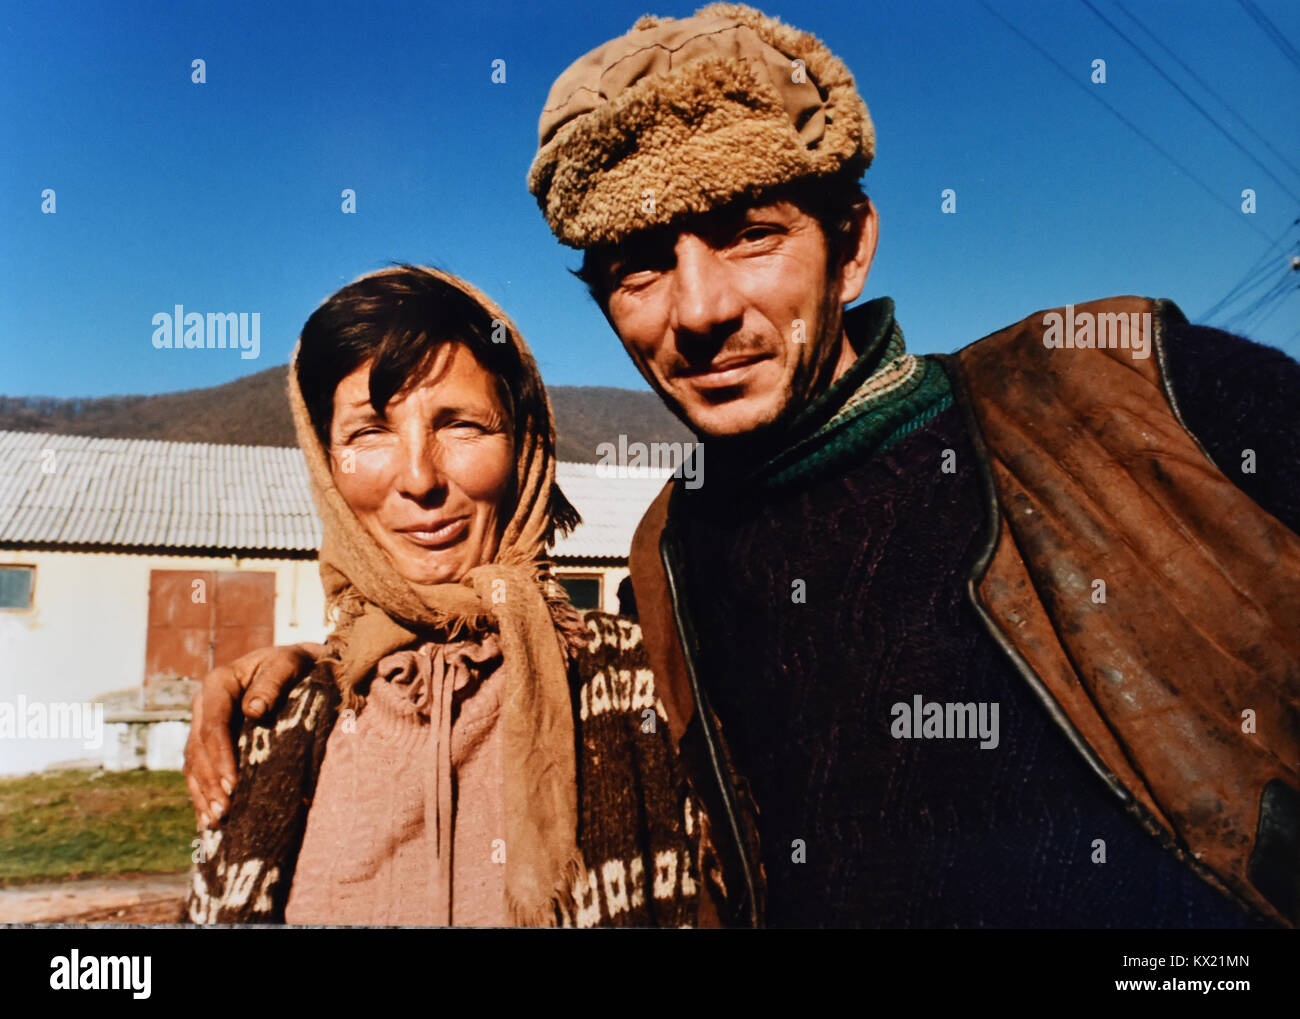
[[258, 678]]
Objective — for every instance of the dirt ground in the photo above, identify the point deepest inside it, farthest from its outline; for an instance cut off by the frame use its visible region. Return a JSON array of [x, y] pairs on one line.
[[149, 898]]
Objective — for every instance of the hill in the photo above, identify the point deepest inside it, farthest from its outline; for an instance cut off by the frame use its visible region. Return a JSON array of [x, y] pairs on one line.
[[254, 411]]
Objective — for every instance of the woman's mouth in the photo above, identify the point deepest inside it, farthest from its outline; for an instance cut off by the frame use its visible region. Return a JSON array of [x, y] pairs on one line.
[[436, 533]]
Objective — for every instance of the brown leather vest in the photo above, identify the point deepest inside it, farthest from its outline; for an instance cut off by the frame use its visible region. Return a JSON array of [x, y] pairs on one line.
[[1150, 604]]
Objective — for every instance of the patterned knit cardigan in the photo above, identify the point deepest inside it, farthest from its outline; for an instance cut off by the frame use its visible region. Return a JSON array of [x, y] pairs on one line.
[[643, 836]]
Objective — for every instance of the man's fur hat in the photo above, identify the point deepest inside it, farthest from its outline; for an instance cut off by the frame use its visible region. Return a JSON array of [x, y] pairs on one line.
[[680, 116]]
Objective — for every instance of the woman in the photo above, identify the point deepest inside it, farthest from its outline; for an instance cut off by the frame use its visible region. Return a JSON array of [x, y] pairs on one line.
[[471, 751]]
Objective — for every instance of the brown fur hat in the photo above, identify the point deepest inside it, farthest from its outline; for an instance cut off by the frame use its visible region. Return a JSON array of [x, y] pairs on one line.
[[680, 116]]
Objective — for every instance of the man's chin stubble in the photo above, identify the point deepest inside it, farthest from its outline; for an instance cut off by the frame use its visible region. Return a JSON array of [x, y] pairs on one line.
[[755, 430]]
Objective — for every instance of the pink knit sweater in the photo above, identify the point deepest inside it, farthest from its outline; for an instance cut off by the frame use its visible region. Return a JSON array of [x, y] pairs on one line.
[[407, 826]]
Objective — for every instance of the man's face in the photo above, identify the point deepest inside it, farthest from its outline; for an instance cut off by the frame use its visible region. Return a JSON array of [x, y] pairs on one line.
[[733, 318]]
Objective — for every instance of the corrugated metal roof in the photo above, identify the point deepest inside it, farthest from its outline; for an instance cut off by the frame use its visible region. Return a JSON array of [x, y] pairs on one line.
[[610, 507], [75, 490]]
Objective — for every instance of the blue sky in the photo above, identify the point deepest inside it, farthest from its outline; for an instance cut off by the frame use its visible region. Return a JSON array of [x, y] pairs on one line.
[[225, 196]]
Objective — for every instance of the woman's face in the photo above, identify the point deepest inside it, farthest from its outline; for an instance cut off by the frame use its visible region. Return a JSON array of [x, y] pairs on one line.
[[429, 478]]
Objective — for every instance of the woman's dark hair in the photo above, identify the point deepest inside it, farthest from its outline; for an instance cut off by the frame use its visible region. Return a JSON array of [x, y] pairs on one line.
[[398, 319], [835, 202]]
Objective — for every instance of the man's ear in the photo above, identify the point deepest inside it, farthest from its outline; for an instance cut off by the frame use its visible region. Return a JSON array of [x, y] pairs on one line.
[[853, 271]]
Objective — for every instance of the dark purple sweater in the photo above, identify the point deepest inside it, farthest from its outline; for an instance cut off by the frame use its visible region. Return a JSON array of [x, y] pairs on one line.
[[936, 833]]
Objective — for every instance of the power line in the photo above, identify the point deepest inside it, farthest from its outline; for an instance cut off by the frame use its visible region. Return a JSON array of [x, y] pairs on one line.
[[1259, 322], [1092, 93], [1271, 30], [1184, 93], [1276, 287], [1201, 81], [1241, 321], [1249, 277], [1279, 287], [1238, 295]]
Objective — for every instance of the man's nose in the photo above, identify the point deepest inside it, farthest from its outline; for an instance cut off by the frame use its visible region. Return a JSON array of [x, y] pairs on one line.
[[705, 300]]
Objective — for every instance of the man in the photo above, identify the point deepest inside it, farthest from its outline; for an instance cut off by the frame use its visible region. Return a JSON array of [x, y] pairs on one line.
[[1005, 638]]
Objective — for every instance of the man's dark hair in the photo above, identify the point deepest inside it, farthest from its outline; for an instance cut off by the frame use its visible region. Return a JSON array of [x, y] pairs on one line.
[[835, 202]]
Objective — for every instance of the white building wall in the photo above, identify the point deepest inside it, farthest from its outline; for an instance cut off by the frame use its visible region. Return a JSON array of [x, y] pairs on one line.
[[84, 638], [614, 576]]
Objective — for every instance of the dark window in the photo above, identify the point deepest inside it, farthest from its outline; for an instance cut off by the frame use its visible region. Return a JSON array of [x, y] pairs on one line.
[[16, 586], [584, 592]]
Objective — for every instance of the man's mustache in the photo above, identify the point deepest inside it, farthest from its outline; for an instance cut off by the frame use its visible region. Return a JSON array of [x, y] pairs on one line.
[[730, 350]]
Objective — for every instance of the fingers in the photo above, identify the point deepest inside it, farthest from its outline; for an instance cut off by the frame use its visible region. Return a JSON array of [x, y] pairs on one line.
[[247, 669], [278, 668], [209, 752], [256, 679], [196, 764], [190, 784], [202, 818]]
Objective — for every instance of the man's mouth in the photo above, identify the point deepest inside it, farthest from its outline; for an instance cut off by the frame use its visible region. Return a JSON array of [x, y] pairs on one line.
[[724, 372], [436, 533]]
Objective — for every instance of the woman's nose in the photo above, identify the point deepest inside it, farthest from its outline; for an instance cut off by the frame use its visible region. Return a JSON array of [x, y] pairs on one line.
[[420, 473]]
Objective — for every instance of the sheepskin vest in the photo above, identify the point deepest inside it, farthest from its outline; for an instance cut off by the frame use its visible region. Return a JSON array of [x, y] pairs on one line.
[[1147, 601]]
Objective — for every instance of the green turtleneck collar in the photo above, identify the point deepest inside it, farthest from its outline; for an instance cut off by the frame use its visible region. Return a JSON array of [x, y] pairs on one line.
[[884, 395]]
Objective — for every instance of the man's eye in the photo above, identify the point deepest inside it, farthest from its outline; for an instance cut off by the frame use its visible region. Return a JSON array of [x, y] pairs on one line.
[[629, 267], [756, 232], [641, 264], [634, 277]]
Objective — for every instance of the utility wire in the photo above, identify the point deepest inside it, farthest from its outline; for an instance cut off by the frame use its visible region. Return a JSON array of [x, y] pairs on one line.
[[1240, 320], [1092, 93], [1259, 322], [1201, 81], [1249, 277], [1242, 294], [1276, 285], [1184, 93], [1253, 325], [1271, 30]]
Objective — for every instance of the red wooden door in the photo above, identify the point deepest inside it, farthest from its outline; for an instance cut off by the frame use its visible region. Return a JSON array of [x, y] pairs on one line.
[[199, 619]]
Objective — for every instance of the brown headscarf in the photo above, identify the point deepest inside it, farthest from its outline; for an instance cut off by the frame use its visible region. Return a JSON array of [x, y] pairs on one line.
[[376, 612]]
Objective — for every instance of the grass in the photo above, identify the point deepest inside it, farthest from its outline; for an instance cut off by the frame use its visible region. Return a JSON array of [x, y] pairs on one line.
[[83, 823]]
